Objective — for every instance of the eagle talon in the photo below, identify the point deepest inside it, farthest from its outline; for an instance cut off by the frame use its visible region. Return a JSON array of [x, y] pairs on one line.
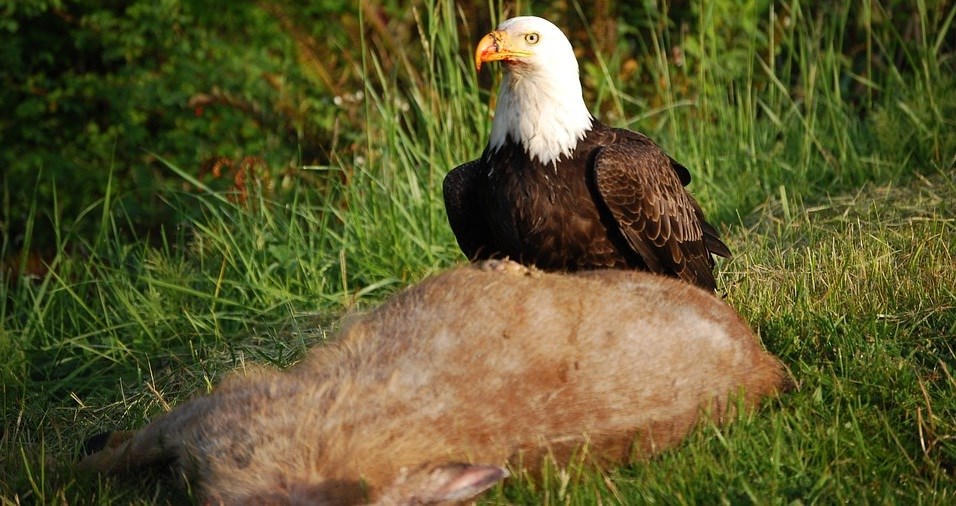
[[503, 265]]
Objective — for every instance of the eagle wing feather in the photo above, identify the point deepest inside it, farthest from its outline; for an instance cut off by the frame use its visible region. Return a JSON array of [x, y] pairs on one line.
[[660, 221], [465, 215]]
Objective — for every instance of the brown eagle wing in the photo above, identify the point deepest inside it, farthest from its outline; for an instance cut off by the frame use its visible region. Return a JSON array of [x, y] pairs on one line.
[[465, 214], [658, 219]]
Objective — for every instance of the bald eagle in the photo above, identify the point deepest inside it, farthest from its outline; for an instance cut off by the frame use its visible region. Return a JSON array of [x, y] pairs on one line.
[[557, 189]]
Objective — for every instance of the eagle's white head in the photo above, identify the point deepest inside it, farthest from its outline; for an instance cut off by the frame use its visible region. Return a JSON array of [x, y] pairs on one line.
[[540, 104]]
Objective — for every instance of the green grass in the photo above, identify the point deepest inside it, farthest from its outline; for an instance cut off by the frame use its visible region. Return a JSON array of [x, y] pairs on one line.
[[841, 215]]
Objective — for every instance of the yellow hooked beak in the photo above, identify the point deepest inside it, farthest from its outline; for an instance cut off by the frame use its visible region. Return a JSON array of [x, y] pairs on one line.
[[496, 46]]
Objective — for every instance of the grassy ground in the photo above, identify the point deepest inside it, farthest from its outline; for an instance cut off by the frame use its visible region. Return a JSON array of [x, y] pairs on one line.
[[842, 220]]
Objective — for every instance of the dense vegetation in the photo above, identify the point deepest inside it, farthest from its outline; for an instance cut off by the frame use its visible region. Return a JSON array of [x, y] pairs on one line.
[[191, 185]]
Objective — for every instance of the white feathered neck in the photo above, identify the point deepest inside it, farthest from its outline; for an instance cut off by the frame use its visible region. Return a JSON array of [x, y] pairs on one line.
[[540, 103]]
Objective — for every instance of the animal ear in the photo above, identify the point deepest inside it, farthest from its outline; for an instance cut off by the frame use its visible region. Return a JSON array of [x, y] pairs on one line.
[[460, 482], [96, 443], [453, 482]]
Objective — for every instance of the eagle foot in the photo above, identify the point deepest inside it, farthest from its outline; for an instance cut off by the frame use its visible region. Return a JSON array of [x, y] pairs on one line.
[[506, 265]]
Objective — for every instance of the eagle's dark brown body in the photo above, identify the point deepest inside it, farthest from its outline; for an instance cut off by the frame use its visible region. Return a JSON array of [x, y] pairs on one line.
[[617, 202]]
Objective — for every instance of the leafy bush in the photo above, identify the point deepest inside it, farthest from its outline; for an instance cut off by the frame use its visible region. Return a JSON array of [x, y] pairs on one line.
[[96, 90]]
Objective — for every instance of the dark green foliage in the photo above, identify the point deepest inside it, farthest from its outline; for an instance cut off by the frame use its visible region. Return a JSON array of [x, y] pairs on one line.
[[95, 89]]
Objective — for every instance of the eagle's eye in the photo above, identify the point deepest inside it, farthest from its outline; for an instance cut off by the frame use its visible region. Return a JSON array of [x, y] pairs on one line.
[[532, 38]]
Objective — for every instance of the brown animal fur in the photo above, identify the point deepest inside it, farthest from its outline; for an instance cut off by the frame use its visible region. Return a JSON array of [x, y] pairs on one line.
[[488, 365]]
